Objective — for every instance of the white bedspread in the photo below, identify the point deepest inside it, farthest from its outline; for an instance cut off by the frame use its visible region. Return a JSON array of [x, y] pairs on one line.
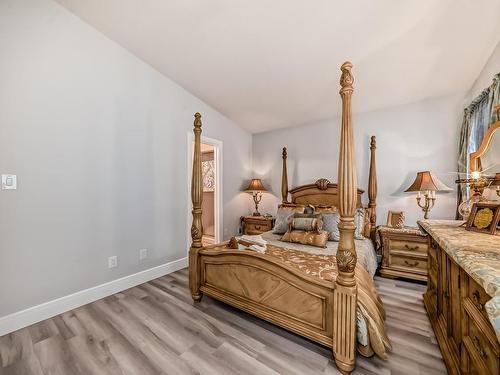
[[365, 250]]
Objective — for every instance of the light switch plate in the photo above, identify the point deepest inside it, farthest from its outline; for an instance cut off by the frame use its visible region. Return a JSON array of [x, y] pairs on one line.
[[9, 182], [113, 261]]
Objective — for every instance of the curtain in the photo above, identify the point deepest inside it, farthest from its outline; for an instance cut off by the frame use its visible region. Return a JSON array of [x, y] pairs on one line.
[[478, 117]]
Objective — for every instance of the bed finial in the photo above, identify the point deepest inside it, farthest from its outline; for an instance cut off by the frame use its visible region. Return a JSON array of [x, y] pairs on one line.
[[284, 178], [346, 79], [372, 187], [197, 199], [345, 295]]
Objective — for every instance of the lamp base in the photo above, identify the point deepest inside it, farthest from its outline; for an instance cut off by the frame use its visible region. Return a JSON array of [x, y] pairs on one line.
[[257, 196]]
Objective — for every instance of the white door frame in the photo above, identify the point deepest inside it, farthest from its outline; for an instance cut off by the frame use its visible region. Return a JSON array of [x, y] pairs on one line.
[[218, 185]]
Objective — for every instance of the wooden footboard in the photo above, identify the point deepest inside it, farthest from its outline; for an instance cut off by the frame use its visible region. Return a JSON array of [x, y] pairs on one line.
[[267, 288]]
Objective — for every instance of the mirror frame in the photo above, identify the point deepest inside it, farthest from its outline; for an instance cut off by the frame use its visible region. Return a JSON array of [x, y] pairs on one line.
[[474, 156]]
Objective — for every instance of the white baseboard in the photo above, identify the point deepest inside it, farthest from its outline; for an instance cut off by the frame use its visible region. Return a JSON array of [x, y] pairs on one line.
[[27, 317]]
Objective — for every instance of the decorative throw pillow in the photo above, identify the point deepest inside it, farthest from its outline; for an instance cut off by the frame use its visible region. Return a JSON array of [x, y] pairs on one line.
[[310, 238], [306, 223], [309, 209], [325, 209], [359, 221], [331, 225], [293, 206], [304, 215], [283, 215]]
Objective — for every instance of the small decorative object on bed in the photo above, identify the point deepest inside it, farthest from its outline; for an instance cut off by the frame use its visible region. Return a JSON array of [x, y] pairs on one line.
[[328, 297], [256, 188], [396, 219], [427, 184], [484, 218]]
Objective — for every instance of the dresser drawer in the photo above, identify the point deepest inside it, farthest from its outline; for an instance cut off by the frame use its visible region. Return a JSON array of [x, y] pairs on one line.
[[408, 246], [411, 264], [257, 228], [482, 354], [478, 297]]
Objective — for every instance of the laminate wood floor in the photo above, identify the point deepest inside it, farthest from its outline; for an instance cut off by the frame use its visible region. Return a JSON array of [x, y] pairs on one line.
[[155, 328]]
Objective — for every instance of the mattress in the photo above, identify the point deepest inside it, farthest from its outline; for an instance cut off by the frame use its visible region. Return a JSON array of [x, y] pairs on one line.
[[365, 250]]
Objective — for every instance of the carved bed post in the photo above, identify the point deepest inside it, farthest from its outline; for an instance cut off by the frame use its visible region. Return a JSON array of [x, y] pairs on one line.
[[284, 179], [345, 292], [196, 227], [372, 188]]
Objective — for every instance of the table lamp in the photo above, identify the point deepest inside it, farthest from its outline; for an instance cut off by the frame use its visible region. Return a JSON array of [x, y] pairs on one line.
[[426, 184], [496, 183], [256, 188]]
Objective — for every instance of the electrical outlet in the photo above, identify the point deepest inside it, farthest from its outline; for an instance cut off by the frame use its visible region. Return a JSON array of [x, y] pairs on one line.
[[113, 262], [143, 254]]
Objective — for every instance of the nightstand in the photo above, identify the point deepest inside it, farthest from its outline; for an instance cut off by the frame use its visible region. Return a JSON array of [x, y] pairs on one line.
[[404, 253], [256, 224]]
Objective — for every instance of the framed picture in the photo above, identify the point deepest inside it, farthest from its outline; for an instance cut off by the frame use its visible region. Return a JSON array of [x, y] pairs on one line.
[[484, 217], [396, 219], [208, 175]]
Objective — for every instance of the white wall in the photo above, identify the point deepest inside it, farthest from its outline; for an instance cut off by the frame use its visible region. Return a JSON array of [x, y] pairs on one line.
[[485, 78], [98, 140], [410, 138]]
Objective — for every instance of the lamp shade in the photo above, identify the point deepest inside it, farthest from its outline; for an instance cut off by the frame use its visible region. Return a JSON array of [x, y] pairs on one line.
[[255, 185], [426, 181]]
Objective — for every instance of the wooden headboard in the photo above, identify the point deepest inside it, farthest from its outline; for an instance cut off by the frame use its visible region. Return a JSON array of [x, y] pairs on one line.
[[324, 192]]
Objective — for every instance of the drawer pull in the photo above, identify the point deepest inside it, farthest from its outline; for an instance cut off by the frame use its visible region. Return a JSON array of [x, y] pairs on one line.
[[257, 227], [411, 264], [475, 299], [411, 248], [478, 347]]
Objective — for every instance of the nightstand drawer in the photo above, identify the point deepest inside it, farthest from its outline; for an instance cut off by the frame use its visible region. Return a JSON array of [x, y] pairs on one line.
[[252, 228], [404, 253], [408, 246], [253, 225], [407, 263]]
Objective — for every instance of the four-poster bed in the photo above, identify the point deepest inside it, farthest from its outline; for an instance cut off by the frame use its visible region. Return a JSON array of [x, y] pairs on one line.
[[320, 300]]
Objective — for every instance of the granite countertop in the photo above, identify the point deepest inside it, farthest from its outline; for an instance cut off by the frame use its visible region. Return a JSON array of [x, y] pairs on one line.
[[477, 253]]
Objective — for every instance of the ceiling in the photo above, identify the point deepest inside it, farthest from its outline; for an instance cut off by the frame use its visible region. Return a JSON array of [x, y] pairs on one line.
[[275, 64]]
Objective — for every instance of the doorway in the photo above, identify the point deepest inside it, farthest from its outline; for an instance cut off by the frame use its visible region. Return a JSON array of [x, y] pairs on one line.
[[211, 167], [208, 175]]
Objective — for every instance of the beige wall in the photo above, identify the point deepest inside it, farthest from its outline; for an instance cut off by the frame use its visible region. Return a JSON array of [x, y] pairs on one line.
[[99, 142], [410, 138], [485, 78]]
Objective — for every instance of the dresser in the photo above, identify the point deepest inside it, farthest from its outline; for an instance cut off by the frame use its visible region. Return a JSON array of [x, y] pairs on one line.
[[404, 253], [253, 225], [463, 296]]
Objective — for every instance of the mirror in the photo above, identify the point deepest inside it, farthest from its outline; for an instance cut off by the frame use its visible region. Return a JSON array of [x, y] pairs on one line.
[[487, 158]]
